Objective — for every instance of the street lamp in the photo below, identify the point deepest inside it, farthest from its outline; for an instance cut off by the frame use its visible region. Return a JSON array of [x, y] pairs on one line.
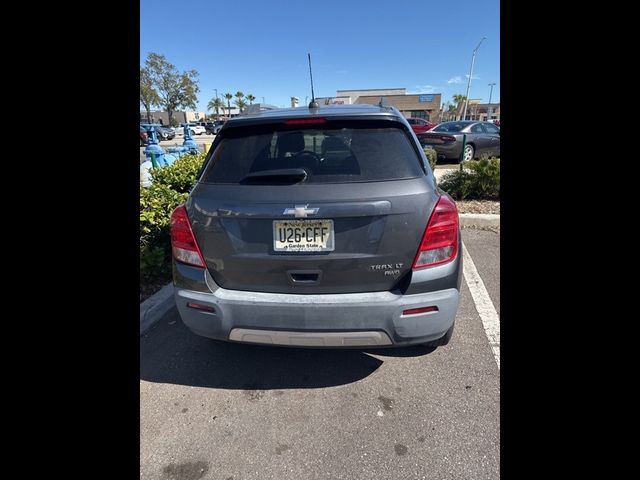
[[466, 100], [490, 93]]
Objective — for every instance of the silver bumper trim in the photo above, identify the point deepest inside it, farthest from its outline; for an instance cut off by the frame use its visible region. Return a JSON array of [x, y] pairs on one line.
[[310, 339]]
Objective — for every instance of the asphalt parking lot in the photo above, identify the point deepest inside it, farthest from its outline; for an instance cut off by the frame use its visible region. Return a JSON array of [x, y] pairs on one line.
[[215, 410]]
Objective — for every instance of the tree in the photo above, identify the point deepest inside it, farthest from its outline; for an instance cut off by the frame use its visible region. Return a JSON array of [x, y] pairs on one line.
[[216, 103], [458, 98], [452, 111], [240, 103], [176, 89], [148, 95], [228, 96], [251, 98]]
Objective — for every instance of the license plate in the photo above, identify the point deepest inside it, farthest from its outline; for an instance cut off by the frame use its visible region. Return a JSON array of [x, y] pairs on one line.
[[303, 236]]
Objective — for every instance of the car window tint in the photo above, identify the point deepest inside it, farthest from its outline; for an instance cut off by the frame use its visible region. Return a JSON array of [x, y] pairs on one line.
[[491, 128], [343, 152], [450, 127], [477, 128]]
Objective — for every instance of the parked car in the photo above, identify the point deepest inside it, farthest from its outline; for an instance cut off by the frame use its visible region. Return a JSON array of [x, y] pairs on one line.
[[446, 139], [144, 137], [318, 228], [215, 127], [163, 133], [420, 125], [195, 129]]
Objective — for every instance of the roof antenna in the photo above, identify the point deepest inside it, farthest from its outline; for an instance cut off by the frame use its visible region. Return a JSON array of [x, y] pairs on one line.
[[313, 103]]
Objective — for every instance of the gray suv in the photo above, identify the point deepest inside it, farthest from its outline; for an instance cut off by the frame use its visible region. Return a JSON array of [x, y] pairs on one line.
[[318, 227]]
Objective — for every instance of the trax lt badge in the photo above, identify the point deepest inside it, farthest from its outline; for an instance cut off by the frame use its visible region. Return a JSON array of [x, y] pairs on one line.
[[300, 211], [387, 268]]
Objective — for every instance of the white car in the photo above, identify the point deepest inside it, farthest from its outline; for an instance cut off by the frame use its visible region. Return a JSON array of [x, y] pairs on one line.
[[195, 129]]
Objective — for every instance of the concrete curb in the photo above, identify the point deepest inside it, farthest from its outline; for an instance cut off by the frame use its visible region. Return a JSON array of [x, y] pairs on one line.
[[154, 307], [479, 220]]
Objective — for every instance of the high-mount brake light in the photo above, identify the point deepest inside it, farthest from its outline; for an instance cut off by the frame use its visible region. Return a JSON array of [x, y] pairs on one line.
[[306, 121]]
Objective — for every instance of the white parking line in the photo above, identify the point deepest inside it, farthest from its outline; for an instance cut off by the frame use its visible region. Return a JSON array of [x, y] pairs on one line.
[[484, 305]]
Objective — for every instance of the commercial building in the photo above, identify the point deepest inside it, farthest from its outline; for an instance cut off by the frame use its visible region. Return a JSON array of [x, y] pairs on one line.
[[417, 105], [483, 111], [476, 111]]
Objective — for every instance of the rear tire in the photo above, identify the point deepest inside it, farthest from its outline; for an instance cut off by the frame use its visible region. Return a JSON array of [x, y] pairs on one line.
[[469, 152], [444, 340]]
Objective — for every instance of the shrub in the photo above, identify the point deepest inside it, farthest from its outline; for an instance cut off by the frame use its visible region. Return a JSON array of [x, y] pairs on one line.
[[457, 184], [157, 202], [171, 186], [180, 175], [477, 179], [486, 177], [432, 155]]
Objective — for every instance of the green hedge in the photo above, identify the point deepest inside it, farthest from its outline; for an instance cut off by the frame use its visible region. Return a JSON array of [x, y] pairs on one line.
[[170, 188], [432, 156], [476, 180], [180, 175]]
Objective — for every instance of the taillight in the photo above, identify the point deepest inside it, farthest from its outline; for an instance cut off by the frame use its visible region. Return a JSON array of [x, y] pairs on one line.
[[447, 138], [440, 240], [306, 121], [183, 243]]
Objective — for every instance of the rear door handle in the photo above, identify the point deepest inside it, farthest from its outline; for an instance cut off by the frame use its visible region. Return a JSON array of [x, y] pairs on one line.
[[304, 277]]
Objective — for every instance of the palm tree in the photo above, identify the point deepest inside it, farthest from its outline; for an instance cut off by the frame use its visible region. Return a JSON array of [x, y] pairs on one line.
[[451, 111], [240, 103], [251, 98], [216, 103], [458, 98], [228, 96]]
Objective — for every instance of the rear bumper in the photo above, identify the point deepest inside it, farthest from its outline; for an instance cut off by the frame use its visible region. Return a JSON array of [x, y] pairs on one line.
[[328, 320], [449, 152]]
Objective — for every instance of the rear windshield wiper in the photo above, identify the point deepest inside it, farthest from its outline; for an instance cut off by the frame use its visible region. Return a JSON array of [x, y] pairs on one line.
[[278, 176]]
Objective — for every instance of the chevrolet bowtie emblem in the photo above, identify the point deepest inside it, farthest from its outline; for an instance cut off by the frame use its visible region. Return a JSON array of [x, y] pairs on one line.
[[300, 211]]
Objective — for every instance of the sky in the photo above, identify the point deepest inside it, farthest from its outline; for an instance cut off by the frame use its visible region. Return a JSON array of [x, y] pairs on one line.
[[260, 47]]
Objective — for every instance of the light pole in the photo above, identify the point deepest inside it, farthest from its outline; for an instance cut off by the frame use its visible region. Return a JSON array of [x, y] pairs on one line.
[[466, 100], [263, 100], [489, 108]]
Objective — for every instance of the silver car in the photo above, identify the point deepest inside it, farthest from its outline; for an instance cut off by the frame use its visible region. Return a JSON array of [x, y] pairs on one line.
[[447, 138], [318, 227]]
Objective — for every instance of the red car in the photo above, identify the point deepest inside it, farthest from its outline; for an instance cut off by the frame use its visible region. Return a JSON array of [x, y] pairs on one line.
[[420, 125]]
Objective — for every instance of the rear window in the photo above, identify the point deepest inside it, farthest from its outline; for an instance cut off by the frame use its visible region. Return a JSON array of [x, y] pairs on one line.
[[450, 127], [335, 152]]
